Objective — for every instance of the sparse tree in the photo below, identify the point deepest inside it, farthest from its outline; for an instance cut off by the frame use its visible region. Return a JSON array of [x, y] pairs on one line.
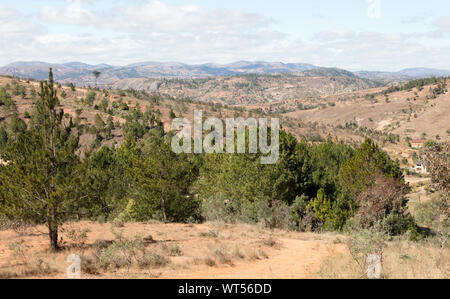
[[96, 75]]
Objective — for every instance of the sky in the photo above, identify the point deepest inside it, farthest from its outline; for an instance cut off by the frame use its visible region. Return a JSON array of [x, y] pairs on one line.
[[387, 35]]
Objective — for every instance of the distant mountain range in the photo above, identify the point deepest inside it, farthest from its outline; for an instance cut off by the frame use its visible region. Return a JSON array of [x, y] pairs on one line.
[[406, 74], [81, 73]]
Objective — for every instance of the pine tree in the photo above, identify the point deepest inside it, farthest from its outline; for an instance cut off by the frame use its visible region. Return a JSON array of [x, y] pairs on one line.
[[39, 184], [165, 178]]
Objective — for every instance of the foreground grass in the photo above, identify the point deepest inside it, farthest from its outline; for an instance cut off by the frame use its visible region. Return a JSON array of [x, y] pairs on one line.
[[156, 250], [133, 250], [401, 260]]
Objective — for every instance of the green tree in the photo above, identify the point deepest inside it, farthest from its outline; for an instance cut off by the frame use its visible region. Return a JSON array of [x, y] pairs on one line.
[[321, 206], [90, 98], [359, 173], [163, 180], [4, 137], [39, 184], [104, 105], [99, 123], [17, 125], [96, 75]]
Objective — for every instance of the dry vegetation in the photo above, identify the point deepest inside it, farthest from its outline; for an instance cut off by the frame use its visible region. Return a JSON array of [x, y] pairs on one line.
[[211, 250], [401, 260], [156, 250]]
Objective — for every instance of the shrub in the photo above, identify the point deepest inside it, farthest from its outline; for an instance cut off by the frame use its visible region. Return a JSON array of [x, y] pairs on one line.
[[152, 260], [386, 197], [120, 220], [175, 251], [210, 262], [136, 212], [275, 215], [78, 236], [367, 242], [122, 252]]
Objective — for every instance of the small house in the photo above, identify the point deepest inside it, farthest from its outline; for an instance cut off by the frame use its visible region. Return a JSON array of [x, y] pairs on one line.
[[421, 167], [417, 143]]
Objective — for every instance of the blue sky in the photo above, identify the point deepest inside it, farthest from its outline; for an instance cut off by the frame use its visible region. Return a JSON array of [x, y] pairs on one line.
[[352, 34]]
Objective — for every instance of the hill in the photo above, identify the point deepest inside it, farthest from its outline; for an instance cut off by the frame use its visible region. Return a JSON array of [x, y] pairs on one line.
[[81, 73], [388, 117], [246, 89], [403, 75], [385, 116]]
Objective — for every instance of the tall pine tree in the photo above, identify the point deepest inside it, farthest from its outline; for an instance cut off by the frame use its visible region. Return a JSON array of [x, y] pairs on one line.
[[39, 183]]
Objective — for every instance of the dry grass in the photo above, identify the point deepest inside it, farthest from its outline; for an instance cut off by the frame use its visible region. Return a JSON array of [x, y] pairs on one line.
[[156, 250], [140, 250], [401, 260]]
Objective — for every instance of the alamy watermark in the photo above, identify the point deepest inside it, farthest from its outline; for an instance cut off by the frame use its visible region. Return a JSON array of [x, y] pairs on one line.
[[374, 9], [235, 140], [374, 269], [74, 269]]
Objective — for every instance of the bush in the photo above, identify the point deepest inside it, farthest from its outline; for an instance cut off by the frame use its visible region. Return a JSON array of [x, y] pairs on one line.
[[127, 253], [135, 212], [386, 196], [120, 220], [276, 215], [175, 251], [430, 214], [217, 208], [367, 242]]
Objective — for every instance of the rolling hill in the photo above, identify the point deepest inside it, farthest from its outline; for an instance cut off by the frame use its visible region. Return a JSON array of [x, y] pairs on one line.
[[249, 89], [81, 73]]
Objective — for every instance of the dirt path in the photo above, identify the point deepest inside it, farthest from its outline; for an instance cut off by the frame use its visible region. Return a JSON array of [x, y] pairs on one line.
[[295, 259], [415, 180]]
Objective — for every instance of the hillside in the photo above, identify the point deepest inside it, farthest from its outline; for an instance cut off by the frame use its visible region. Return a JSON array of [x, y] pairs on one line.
[[388, 117], [81, 73], [350, 116], [83, 105], [403, 75], [247, 89]]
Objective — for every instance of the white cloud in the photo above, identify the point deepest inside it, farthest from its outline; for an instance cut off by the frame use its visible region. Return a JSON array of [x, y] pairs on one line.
[[14, 26], [443, 24], [7, 12], [156, 16], [334, 34], [188, 33], [72, 15]]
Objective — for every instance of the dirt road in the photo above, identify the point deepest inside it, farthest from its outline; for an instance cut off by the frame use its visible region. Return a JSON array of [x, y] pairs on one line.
[[295, 259]]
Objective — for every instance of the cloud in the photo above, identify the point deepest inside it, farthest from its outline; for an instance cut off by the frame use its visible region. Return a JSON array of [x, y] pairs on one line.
[[7, 12], [156, 16], [334, 34], [153, 30], [440, 28], [443, 24], [375, 51], [71, 15], [14, 26]]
